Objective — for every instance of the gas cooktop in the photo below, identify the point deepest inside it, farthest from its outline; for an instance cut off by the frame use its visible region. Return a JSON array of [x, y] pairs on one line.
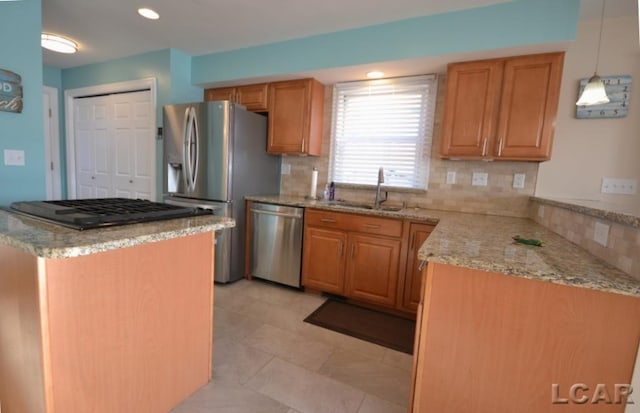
[[102, 212]]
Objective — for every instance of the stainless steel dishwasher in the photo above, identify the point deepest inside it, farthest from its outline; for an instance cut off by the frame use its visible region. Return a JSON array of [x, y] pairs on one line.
[[276, 250]]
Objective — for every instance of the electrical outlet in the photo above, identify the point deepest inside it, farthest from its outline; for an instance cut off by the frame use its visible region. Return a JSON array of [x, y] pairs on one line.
[[286, 169], [619, 186], [601, 233], [541, 211], [518, 181], [13, 157], [451, 177], [480, 179]]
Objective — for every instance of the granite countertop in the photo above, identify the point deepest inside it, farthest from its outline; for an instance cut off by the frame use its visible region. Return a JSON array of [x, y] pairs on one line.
[[623, 215], [53, 241], [484, 242]]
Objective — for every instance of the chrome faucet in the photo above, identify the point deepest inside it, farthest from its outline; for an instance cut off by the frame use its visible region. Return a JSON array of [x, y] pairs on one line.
[[379, 200]]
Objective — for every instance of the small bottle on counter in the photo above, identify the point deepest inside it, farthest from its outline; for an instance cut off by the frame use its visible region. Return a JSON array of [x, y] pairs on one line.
[[332, 191], [326, 194]]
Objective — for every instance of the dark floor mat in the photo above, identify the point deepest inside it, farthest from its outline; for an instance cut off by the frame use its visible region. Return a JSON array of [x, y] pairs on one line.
[[374, 326]]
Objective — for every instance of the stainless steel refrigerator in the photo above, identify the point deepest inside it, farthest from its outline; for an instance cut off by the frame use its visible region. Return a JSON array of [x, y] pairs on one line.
[[215, 155]]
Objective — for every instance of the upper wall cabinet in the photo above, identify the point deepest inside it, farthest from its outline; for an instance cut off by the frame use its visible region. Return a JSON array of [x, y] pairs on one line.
[[253, 97], [502, 109], [295, 117]]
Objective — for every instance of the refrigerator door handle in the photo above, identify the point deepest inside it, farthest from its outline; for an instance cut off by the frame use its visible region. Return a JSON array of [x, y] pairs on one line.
[[195, 140], [186, 136]]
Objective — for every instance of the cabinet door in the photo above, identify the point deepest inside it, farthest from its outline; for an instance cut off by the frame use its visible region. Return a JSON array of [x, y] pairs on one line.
[[222, 93], [473, 90], [323, 260], [288, 116], [530, 93], [253, 97], [372, 269], [418, 233]]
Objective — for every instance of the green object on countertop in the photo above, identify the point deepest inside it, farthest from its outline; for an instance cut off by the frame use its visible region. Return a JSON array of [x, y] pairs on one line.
[[535, 242]]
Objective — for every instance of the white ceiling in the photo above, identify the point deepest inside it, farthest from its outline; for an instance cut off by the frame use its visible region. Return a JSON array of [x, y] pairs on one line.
[[108, 29]]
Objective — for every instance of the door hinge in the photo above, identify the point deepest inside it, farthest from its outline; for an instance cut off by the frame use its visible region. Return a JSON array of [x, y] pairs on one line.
[[52, 166], [50, 113]]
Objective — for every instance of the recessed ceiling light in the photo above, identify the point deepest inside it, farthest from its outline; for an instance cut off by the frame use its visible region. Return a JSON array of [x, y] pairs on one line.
[[58, 44], [148, 13], [375, 74]]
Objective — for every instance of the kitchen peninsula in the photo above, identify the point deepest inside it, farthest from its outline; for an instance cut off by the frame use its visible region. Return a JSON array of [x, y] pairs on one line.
[[107, 320]]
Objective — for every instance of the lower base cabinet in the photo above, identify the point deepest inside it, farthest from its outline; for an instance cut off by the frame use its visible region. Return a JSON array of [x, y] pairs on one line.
[[372, 269], [323, 260], [365, 258]]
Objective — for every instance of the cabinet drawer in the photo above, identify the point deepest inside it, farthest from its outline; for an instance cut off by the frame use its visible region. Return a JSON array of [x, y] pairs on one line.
[[356, 223]]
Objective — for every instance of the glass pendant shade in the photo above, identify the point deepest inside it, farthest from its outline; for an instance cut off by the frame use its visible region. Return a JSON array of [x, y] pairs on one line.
[[593, 93]]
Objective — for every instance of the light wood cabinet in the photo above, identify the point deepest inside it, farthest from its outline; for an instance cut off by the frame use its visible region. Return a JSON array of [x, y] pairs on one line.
[[502, 109], [253, 97], [372, 269], [509, 339], [324, 259], [418, 234], [355, 256], [295, 117]]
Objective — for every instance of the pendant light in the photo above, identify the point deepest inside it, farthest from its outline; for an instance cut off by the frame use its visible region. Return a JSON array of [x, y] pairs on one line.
[[594, 92]]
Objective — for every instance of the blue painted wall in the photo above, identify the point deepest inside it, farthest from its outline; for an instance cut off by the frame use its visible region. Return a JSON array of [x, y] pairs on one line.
[[20, 26], [516, 23]]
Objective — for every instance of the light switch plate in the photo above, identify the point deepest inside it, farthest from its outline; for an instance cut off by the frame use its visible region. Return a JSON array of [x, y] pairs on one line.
[[601, 233], [518, 181], [13, 157], [451, 177], [480, 179]]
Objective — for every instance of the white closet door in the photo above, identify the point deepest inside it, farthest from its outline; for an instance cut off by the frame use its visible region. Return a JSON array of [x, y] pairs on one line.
[[134, 145], [93, 161], [115, 146]]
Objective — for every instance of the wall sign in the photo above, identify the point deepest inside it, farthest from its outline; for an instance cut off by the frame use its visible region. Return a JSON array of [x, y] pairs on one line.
[[619, 91], [10, 91]]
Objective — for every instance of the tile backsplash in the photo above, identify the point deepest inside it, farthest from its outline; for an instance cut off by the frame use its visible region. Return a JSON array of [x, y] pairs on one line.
[[497, 198], [621, 248]]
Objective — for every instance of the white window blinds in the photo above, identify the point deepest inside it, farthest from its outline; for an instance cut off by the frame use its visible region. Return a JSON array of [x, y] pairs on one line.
[[383, 123]]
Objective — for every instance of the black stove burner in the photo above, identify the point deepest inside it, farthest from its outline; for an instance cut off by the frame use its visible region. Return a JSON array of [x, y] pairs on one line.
[[102, 212]]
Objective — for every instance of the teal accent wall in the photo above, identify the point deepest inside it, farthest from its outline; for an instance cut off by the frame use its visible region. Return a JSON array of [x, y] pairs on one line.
[[20, 24], [52, 77], [510, 24], [182, 91]]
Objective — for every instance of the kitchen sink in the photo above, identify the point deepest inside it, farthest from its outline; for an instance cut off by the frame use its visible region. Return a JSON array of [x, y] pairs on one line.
[[390, 208]]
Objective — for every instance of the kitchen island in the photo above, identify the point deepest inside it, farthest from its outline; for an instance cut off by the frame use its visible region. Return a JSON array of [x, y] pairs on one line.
[[108, 320], [504, 327]]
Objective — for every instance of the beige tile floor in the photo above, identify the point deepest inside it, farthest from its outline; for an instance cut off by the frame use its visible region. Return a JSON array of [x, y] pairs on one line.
[[267, 360]]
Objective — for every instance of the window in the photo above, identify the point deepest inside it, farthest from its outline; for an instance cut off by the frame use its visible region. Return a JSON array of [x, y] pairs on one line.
[[383, 123]]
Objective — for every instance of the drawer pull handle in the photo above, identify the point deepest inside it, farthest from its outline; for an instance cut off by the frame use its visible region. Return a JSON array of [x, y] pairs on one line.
[[423, 264], [413, 238], [328, 220], [340, 248], [353, 250], [372, 226]]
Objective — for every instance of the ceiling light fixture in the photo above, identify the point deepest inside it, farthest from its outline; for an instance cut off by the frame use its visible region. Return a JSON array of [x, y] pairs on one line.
[[148, 13], [58, 43], [594, 92], [375, 74]]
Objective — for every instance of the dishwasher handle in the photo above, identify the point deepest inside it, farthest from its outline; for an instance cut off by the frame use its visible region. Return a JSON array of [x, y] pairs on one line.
[[278, 214]]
